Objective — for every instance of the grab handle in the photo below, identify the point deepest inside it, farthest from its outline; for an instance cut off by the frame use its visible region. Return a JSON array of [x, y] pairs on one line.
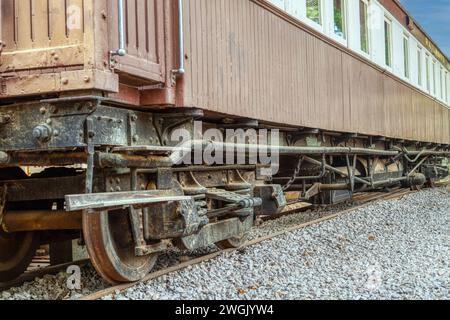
[[121, 51]]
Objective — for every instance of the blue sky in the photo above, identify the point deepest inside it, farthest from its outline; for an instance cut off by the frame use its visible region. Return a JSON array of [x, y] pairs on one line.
[[434, 17]]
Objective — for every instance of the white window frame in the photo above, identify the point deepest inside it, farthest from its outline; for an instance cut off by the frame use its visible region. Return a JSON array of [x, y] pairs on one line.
[[333, 35], [369, 47], [433, 73], [406, 56], [391, 42], [320, 27], [446, 87], [427, 72], [419, 66]]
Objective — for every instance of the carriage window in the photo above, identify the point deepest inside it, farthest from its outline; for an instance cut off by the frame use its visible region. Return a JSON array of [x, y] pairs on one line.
[[446, 87], [419, 66], [388, 42], [313, 11], [441, 83], [406, 55], [364, 28], [427, 71], [339, 18], [433, 72]]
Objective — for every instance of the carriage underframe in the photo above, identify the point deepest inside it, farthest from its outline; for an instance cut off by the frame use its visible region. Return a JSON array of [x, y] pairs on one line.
[[111, 179]]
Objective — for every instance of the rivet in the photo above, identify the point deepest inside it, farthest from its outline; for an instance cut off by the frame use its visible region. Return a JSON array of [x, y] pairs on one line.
[[65, 81]]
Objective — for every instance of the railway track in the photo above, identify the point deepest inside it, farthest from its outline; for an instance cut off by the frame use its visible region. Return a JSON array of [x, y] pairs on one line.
[[362, 200]]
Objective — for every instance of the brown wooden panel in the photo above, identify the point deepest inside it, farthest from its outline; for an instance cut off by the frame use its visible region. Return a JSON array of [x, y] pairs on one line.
[[245, 60], [144, 35], [8, 21]]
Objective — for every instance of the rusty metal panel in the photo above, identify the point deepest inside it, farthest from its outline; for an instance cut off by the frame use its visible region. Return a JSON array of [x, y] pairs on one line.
[[246, 59]]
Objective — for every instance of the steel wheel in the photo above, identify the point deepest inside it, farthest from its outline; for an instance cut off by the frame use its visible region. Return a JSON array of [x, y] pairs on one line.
[[18, 249], [232, 243], [111, 247], [236, 242], [16, 253]]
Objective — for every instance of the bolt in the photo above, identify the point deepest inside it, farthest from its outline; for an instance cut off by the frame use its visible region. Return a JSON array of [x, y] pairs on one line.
[[4, 157], [42, 133], [65, 81], [89, 105]]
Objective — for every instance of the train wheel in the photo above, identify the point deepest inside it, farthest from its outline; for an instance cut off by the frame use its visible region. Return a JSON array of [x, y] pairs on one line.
[[110, 244], [17, 249], [16, 253], [232, 243]]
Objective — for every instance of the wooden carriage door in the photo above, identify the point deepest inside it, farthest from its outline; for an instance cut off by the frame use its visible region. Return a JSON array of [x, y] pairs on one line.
[[144, 62]]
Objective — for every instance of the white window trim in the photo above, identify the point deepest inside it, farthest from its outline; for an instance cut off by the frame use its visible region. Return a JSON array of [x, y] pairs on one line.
[[313, 24], [406, 57], [333, 35], [434, 83], [391, 44], [419, 66], [369, 44]]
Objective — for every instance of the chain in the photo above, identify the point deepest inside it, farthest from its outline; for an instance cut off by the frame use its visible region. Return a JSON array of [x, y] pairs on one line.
[[295, 176]]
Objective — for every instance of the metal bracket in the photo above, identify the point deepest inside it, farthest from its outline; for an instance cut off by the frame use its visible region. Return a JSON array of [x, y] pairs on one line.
[[133, 138], [3, 192], [345, 138], [90, 150], [191, 185]]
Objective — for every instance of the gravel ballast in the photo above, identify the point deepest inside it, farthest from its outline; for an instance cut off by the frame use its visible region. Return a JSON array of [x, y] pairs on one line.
[[396, 249]]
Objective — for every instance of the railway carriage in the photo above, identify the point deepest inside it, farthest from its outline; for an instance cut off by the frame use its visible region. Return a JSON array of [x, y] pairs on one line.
[[93, 91]]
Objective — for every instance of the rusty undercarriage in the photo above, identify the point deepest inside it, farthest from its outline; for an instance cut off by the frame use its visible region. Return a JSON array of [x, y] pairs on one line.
[[112, 177]]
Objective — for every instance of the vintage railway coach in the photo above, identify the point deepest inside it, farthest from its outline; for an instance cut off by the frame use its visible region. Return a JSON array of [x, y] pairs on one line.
[[92, 92]]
